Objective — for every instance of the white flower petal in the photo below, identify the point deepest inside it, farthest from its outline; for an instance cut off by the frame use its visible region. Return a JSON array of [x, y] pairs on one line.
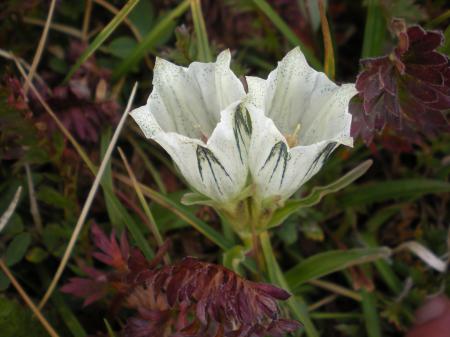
[[217, 169], [189, 100], [257, 88], [277, 170], [146, 121], [296, 96]]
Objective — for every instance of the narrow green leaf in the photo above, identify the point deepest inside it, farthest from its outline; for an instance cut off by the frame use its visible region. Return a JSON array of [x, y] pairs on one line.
[[327, 41], [68, 317], [317, 193], [204, 51], [329, 262], [264, 7], [111, 332], [384, 269], [371, 318], [102, 36], [388, 190], [149, 40], [375, 30], [297, 305]]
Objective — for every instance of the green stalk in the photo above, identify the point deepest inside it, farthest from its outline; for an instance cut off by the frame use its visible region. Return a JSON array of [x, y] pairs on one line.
[[296, 304], [204, 51]]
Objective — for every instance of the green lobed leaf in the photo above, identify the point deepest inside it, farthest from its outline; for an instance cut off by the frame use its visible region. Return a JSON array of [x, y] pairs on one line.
[[317, 193], [329, 262], [102, 36]]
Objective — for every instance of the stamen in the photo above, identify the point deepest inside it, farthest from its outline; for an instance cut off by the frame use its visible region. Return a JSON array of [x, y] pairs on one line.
[[292, 139]]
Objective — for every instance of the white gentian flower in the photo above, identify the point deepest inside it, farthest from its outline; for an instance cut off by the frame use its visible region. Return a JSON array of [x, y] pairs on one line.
[[196, 115], [249, 152], [298, 117]]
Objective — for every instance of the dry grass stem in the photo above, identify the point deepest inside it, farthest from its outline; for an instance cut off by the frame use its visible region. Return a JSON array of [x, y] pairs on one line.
[[151, 220], [10, 210], [88, 202], [40, 48], [57, 27], [86, 20]]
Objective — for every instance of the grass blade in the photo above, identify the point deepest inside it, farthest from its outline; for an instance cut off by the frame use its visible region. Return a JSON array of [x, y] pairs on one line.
[[387, 190], [297, 305], [102, 36], [273, 16], [149, 40], [329, 262], [375, 30], [204, 51], [371, 318], [327, 41], [70, 320]]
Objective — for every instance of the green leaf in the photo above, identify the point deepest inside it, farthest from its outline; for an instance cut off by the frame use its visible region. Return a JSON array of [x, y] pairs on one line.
[[102, 36], [278, 22], [387, 190], [193, 198], [55, 238], [122, 46], [371, 318], [375, 30], [150, 40], [54, 198], [143, 16], [36, 255], [17, 321], [4, 283], [17, 248], [317, 193], [329, 262]]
